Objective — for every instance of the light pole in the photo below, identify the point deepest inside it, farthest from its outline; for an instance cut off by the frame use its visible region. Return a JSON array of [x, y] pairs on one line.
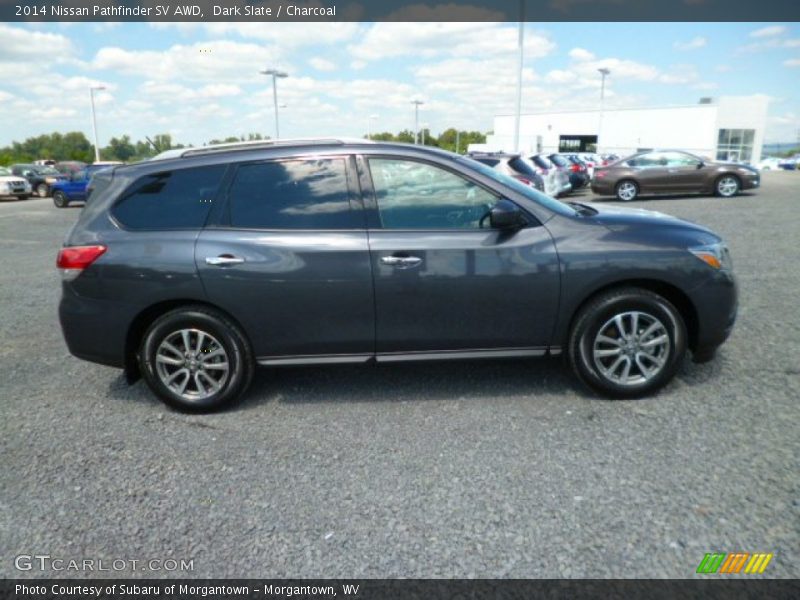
[[94, 120], [369, 125], [275, 75], [603, 73], [458, 139], [518, 113], [416, 104]]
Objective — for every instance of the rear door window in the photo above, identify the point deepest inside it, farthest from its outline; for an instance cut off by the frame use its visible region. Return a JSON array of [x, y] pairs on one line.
[[177, 199], [292, 194]]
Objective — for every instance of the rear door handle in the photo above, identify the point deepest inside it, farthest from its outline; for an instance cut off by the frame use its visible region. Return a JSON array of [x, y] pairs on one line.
[[223, 260], [401, 261]]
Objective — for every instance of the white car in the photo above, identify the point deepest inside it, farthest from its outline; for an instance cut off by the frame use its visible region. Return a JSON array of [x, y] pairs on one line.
[[769, 164], [11, 185]]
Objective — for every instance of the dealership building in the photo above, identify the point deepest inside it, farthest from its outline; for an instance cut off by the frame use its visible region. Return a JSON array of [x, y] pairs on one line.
[[724, 128]]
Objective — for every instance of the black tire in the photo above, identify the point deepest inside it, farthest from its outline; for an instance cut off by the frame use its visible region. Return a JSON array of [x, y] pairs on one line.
[[60, 199], [43, 190], [597, 315], [238, 355], [731, 189], [24, 196], [621, 189]]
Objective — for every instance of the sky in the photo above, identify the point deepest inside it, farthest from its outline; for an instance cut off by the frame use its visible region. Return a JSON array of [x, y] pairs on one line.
[[200, 81]]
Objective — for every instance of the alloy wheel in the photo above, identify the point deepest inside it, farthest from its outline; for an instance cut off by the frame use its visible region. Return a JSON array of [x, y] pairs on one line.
[[631, 348], [627, 191], [192, 364], [727, 186]]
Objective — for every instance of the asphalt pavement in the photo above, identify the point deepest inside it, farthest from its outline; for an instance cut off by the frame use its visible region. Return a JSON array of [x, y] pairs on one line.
[[464, 469]]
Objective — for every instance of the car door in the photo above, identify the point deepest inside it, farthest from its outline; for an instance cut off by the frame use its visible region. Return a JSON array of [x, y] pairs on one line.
[[75, 185], [651, 172], [445, 283], [287, 257], [685, 172]]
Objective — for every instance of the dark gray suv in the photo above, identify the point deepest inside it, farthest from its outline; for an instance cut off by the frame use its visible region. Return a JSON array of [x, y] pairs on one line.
[[193, 268]]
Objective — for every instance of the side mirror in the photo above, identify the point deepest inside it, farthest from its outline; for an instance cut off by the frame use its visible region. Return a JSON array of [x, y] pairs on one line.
[[701, 164], [506, 215]]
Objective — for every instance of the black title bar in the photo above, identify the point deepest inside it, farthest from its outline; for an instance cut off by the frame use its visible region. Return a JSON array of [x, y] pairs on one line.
[[712, 588], [266, 11]]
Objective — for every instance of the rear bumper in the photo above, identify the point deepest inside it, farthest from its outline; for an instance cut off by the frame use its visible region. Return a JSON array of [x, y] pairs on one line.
[[94, 330], [602, 188]]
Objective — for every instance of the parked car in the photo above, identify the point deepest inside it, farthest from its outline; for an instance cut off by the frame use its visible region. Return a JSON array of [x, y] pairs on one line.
[[577, 178], [769, 163], [790, 164], [193, 268], [74, 188], [608, 159], [590, 160], [514, 165], [12, 185], [672, 171], [556, 179], [40, 177], [67, 167]]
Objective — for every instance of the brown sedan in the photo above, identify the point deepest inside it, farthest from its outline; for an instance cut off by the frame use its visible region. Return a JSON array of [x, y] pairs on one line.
[[671, 171]]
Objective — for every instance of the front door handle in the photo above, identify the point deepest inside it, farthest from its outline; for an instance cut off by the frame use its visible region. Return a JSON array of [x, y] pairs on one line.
[[223, 260], [401, 261]]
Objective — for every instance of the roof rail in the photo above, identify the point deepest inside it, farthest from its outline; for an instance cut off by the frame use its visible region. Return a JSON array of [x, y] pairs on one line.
[[256, 145]]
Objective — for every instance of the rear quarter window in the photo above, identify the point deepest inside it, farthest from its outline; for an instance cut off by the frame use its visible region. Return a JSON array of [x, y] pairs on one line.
[[179, 199]]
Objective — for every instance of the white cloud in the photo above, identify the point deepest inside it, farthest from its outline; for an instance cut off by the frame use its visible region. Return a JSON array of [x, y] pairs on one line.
[[217, 61], [792, 62], [18, 44], [430, 40], [560, 76], [770, 31], [357, 65], [793, 43], [322, 64], [581, 54], [284, 34], [693, 44], [723, 68]]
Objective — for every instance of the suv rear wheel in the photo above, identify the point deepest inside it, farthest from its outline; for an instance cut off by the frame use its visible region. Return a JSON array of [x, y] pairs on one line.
[[195, 359], [627, 343], [42, 190]]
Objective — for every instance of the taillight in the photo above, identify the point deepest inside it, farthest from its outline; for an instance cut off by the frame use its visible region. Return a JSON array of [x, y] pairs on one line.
[[74, 259], [598, 173], [523, 180], [575, 168]]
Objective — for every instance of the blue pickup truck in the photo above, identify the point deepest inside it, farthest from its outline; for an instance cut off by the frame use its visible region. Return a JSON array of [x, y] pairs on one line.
[[73, 187]]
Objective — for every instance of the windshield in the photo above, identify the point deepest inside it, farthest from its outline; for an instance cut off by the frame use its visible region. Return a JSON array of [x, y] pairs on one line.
[[520, 165], [4, 172], [559, 160], [525, 190]]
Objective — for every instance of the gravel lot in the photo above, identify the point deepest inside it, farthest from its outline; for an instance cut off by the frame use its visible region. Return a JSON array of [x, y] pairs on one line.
[[490, 469]]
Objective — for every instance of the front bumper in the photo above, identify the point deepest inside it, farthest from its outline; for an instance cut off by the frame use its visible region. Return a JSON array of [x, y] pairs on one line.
[[717, 305]]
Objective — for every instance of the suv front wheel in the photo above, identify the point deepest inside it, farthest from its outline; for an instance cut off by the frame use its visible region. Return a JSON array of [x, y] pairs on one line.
[[195, 359], [627, 343]]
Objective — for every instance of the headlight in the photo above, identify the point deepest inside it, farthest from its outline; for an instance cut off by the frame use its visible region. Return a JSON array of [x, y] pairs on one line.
[[714, 255]]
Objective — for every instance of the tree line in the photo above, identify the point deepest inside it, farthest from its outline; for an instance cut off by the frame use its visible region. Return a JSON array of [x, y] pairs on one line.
[[75, 146]]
